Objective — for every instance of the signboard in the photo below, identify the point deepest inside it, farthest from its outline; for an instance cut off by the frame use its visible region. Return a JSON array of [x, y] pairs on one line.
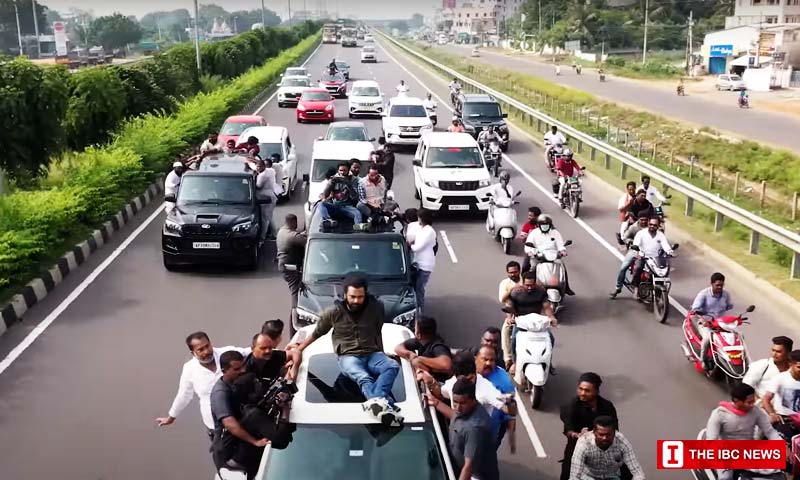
[[721, 51], [572, 45], [60, 34]]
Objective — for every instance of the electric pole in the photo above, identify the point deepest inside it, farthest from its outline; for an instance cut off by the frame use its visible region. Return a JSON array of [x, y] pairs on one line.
[[197, 36], [646, 22], [263, 15], [290, 12], [689, 45], [19, 31], [36, 31]]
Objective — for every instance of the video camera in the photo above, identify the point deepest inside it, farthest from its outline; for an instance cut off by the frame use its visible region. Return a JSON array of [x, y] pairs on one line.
[[271, 401]]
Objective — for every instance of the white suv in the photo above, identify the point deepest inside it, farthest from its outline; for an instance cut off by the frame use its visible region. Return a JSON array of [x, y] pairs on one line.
[[334, 438], [368, 54], [450, 173], [365, 98], [291, 88], [273, 140], [405, 120]]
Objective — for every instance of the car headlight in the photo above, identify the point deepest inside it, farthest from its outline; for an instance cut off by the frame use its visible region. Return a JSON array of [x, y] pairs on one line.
[[405, 318], [329, 107], [301, 107], [306, 317], [484, 183], [427, 127], [432, 183], [243, 227], [173, 227], [281, 95]]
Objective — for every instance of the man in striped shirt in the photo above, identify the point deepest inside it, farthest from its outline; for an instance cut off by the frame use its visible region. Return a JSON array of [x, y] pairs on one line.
[[600, 454]]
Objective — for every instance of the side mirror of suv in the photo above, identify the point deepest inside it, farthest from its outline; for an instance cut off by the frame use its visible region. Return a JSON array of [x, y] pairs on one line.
[[416, 163], [505, 115]]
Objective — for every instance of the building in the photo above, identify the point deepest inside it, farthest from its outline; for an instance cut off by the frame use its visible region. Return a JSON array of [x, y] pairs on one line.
[[476, 17], [751, 12]]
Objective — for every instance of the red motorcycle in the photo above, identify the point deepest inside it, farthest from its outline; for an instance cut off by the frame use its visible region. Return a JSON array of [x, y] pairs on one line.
[[727, 351]]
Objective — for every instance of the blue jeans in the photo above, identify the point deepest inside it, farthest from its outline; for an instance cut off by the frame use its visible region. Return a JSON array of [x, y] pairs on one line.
[[374, 373], [329, 209], [419, 287], [630, 258]]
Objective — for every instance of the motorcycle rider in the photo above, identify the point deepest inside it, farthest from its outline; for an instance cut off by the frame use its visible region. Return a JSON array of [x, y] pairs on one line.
[[602, 74], [456, 126], [640, 204], [649, 242], [558, 69], [630, 233], [332, 68], [430, 106], [545, 238], [566, 167], [652, 194], [782, 399], [487, 135], [455, 89], [680, 88], [761, 372], [552, 139], [713, 302], [743, 98], [402, 89]]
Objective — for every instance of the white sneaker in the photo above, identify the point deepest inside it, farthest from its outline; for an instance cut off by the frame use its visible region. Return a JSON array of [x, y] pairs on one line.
[[375, 406]]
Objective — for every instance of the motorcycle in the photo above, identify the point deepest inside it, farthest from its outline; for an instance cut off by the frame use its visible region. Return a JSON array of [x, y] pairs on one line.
[[454, 97], [501, 221], [534, 354], [550, 272], [727, 349], [654, 283], [572, 196], [744, 102], [602, 77], [493, 156], [552, 152], [681, 92], [711, 474]]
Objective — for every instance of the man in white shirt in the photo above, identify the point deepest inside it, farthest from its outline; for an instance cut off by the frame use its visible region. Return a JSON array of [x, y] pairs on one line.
[[650, 243], [762, 372], [412, 224], [275, 158], [265, 189], [173, 180], [422, 247], [402, 89], [783, 397], [198, 378], [212, 144], [430, 106], [653, 195], [553, 138]]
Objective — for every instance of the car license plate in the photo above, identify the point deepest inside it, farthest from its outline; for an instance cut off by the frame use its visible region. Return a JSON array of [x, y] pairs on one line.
[[458, 207], [206, 245]]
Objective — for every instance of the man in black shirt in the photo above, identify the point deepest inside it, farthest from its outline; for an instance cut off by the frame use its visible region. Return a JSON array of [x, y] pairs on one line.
[[640, 205], [427, 350], [579, 415], [526, 299], [266, 363]]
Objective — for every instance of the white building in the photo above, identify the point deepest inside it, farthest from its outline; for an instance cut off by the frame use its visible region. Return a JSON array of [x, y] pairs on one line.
[[476, 17], [749, 12]]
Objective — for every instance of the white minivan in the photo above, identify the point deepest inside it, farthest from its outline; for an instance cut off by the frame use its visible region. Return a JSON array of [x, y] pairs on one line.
[[365, 98], [450, 173]]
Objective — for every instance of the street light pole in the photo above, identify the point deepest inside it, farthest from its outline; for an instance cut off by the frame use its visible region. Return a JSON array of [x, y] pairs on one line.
[[646, 22], [290, 12], [197, 36], [19, 30], [263, 15], [36, 31]]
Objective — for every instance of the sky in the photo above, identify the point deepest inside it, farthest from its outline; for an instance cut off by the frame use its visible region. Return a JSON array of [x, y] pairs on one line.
[[379, 9]]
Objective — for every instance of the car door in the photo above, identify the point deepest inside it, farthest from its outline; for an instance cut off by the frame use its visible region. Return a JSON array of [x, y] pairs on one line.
[[291, 161], [419, 155]]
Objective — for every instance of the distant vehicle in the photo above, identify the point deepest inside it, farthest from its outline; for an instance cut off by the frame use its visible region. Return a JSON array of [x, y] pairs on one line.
[[275, 140], [365, 98], [368, 38], [368, 54], [329, 33], [442, 39], [730, 82], [348, 132], [315, 104], [296, 72], [291, 88], [478, 110], [235, 125], [349, 38]]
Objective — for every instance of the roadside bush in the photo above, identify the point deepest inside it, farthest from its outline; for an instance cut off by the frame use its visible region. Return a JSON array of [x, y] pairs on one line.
[[143, 94], [96, 106], [615, 61]]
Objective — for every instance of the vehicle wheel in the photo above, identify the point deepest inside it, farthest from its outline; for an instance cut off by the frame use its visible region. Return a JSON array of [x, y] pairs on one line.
[[168, 265], [506, 245], [350, 115], [299, 121], [537, 393], [661, 304], [574, 207]]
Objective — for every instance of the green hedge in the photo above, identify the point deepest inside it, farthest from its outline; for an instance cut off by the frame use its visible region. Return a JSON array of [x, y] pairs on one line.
[[46, 110], [83, 189]]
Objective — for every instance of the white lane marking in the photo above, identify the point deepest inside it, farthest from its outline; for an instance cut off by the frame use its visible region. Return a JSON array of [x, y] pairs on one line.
[[526, 421], [266, 102], [53, 316], [449, 246], [42, 326], [547, 192]]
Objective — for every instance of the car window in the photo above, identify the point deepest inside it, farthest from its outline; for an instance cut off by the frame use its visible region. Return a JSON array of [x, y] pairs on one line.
[[316, 96], [295, 71], [735, 78], [234, 128], [353, 134], [369, 49], [365, 92], [218, 190], [723, 77], [295, 82], [330, 259], [320, 169], [268, 149], [408, 111], [482, 110], [332, 78], [363, 452], [440, 157], [342, 65]]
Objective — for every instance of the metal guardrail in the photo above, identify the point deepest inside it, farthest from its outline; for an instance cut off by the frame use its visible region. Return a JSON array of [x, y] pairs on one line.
[[724, 209]]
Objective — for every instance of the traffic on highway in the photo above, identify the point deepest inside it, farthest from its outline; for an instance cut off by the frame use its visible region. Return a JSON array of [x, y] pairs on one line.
[[408, 287]]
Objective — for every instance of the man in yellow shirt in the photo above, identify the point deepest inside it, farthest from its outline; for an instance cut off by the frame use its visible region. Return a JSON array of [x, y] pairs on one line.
[[512, 280]]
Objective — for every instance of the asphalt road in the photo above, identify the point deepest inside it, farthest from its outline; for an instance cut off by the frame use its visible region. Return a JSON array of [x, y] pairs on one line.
[[768, 127], [80, 402]]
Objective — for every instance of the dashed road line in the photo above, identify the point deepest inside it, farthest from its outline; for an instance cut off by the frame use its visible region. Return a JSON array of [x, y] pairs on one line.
[[449, 246]]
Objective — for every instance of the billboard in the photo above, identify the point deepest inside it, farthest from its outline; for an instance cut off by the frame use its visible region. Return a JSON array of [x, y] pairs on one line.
[[60, 34], [721, 51]]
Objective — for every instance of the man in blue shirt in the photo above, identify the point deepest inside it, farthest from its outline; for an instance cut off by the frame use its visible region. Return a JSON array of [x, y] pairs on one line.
[[713, 302], [486, 366]]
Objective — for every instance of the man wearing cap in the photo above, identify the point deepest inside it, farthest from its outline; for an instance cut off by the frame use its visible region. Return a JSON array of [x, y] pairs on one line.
[[173, 180]]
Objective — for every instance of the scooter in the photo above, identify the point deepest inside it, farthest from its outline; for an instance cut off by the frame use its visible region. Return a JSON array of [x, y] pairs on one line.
[[744, 102], [534, 354], [550, 272], [711, 474], [501, 221], [727, 349], [493, 156], [654, 284]]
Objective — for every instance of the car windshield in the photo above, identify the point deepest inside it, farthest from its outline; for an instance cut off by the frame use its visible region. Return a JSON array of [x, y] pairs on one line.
[[331, 258], [295, 71], [735, 78], [441, 157], [216, 190], [235, 128], [365, 92], [342, 65], [358, 452], [316, 96], [295, 82], [332, 78], [353, 134], [408, 111], [266, 150], [369, 49], [482, 110], [322, 166]]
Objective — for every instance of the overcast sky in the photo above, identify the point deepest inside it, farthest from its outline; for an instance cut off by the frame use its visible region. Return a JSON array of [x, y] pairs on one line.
[[375, 9]]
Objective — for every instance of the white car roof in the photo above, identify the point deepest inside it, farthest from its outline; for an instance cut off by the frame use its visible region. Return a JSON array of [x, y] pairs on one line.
[[342, 150], [449, 139], [366, 83], [305, 412], [269, 134], [405, 101]]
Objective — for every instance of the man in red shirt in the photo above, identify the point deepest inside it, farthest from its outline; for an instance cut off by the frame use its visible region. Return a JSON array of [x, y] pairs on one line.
[[250, 146], [531, 223], [566, 167]]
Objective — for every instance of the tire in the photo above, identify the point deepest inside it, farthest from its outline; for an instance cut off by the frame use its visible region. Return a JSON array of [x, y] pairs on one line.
[[506, 245], [537, 393], [350, 115], [574, 206], [660, 304], [168, 265], [504, 147]]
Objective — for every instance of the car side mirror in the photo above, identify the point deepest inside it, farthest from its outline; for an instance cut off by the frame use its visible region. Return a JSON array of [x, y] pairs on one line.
[[372, 139], [675, 246], [529, 244], [170, 198], [518, 194], [416, 163], [489, 194], [505, 115], [635, 248], [264, 201], [568, 243], [290, 267], [320, 138], [305, 178]]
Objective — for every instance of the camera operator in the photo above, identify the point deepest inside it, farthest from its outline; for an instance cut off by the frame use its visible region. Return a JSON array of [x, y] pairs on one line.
[[266, 363]]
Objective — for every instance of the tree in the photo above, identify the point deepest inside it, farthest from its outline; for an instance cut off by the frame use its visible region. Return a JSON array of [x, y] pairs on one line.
[[209, 13], [245, 19], [115, 31], [8, 23]]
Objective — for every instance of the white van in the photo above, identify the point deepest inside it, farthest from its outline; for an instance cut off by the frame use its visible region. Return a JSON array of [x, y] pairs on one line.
[[326, 155], [450, 173]]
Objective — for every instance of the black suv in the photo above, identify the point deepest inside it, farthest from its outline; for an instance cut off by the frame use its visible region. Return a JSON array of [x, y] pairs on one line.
[[480, 110], [380, 255], [216, 219]]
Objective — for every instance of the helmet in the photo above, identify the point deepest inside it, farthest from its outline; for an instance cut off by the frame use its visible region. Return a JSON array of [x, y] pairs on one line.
[[504, 175], [545, 219], [567, 153]]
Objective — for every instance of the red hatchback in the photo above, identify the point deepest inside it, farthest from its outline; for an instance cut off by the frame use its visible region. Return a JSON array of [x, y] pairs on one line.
[[336, 84], [315, 104], [235, 125]]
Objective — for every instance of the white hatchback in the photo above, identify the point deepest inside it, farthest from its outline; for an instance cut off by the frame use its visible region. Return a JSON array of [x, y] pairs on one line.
[[730, 82]]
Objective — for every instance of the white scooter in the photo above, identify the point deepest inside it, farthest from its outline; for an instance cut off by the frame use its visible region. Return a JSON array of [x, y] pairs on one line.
[[534, 355], [501, 220], [550, 272]]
